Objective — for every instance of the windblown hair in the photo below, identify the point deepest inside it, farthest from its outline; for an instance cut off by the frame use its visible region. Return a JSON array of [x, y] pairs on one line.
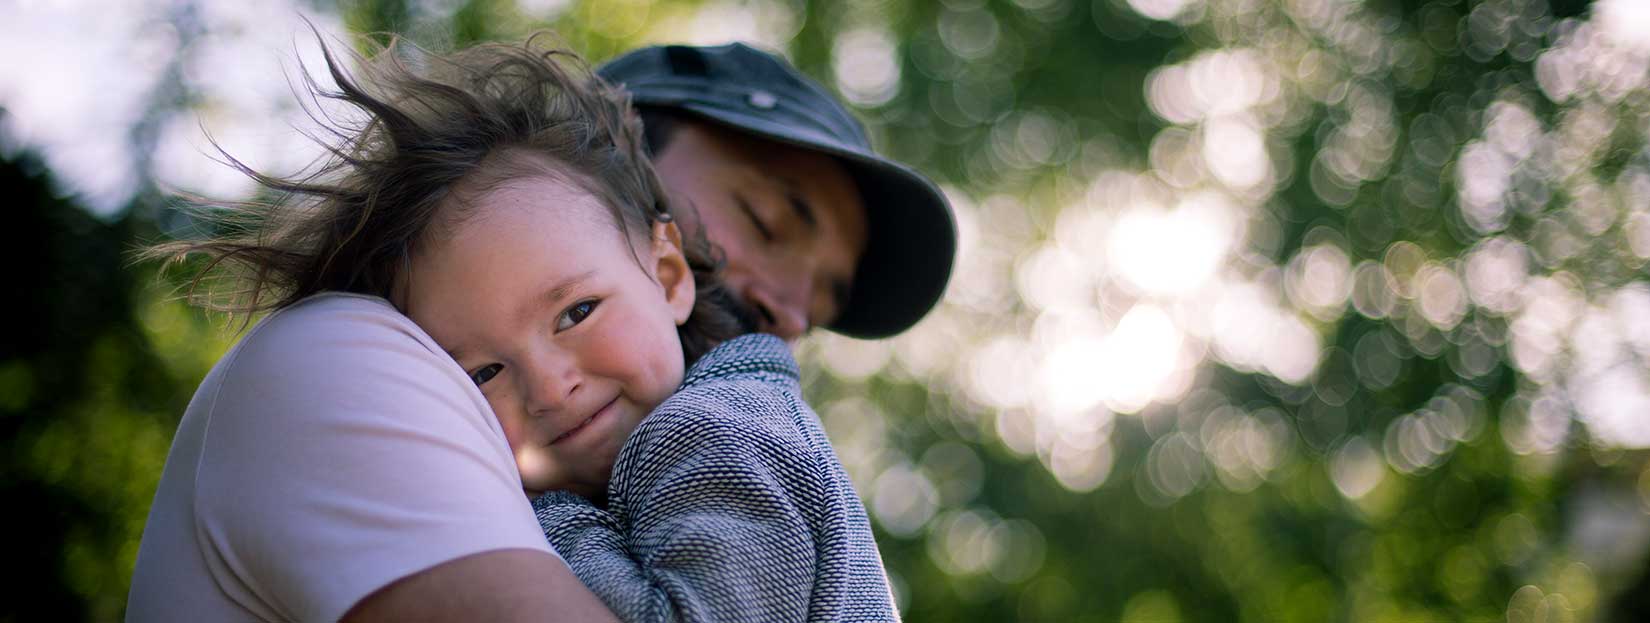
[[352, 223]]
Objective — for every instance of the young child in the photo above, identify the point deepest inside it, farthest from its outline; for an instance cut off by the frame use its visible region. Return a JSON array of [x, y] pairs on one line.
[[499, 198]]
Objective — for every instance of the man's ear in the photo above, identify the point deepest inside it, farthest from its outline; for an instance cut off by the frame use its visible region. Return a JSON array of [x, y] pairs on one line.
[[672, 272]]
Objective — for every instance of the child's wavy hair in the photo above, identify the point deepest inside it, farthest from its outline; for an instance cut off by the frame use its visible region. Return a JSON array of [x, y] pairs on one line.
[[350, 224]]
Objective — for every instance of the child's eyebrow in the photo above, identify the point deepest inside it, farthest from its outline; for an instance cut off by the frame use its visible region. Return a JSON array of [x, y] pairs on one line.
[[565, 286], [557, 291]]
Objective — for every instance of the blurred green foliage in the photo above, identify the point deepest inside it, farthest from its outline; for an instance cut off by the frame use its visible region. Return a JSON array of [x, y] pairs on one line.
[[98, 365], [1444, 457]]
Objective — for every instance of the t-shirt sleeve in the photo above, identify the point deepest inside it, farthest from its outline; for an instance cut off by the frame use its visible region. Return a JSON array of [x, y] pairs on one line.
[[345, 451]]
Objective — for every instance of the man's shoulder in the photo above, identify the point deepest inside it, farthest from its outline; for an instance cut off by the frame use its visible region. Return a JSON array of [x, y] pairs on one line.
[[324, 318], [325, 332], [337, 360]]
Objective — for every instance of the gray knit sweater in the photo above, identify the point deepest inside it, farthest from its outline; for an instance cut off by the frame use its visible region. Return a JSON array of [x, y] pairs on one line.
[[727, 504]]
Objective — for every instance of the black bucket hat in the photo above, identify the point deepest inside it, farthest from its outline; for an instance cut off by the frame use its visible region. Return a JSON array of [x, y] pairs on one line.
[[912, 237]]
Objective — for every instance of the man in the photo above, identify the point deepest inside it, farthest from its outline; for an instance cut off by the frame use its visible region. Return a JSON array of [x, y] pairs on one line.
[[815, 228]]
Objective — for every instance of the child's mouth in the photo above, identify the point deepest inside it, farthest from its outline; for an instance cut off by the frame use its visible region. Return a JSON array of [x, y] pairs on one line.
[[575, 430]]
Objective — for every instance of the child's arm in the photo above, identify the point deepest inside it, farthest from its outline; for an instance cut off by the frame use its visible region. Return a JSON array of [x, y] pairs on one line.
[[705, 524]]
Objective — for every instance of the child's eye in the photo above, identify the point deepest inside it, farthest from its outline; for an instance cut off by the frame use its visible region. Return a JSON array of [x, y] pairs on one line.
[[486, 373], [575, 315]]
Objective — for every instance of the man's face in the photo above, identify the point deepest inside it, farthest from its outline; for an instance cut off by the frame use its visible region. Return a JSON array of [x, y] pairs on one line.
[[789, 221]]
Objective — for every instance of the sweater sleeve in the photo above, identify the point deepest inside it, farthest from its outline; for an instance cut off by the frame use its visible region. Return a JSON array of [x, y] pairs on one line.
[[704, 522]]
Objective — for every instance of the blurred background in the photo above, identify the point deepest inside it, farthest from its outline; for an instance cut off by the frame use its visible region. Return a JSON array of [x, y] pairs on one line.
[[1266, 310]]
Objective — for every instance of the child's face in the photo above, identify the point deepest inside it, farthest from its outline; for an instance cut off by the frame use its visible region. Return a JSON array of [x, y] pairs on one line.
[[540, 298]]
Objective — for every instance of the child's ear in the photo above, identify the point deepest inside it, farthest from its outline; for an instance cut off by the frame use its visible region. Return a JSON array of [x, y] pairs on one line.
[[672, 271]]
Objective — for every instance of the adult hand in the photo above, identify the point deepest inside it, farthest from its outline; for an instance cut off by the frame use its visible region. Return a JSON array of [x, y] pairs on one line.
[[507, 586]]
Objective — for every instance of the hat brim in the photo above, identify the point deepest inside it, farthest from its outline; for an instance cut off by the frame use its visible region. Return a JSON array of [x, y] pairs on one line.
[[912, 237]]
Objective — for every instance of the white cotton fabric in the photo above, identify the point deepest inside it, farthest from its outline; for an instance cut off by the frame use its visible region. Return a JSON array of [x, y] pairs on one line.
[[334, 450]]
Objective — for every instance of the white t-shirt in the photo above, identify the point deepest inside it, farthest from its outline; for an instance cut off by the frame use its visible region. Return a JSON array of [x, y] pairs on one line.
[[332, 451]]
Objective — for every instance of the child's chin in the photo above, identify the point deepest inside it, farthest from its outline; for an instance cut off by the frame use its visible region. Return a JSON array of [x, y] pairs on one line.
[[539, 471]]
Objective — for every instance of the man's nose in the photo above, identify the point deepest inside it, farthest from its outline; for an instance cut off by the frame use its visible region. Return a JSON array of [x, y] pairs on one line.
[[783, 307]]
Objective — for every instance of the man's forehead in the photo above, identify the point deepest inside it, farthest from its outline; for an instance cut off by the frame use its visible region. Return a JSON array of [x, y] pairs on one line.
[[818, 177]]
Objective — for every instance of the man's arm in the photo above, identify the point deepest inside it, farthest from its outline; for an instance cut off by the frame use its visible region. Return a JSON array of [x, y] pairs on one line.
[[353, 469], [505, 586]]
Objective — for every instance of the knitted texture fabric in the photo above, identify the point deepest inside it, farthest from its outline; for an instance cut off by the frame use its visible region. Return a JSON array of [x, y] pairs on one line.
[[727, 504]]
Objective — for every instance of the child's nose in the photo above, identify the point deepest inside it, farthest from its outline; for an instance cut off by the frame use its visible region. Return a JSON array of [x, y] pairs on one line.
[[552, 385]]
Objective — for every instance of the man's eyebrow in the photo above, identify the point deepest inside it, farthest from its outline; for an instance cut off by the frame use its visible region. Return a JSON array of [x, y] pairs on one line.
[[799, 203]]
